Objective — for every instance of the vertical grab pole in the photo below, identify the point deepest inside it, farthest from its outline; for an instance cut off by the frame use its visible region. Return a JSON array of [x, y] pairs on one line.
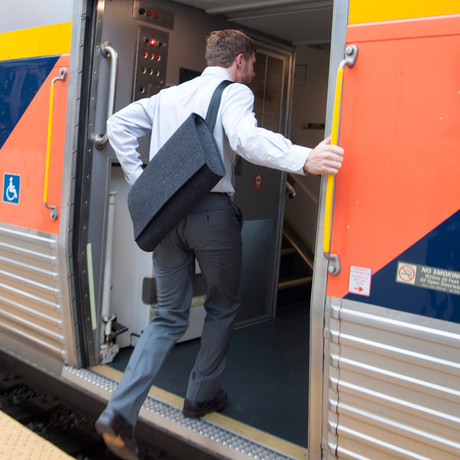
[[62, 77], [109, 52], [351, 53]]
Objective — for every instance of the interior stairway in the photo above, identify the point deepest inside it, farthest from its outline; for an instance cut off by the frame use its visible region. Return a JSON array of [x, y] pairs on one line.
[[296, 270]]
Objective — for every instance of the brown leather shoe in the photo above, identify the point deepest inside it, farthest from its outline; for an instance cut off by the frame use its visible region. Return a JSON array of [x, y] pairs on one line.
[[118, 435], [198, 409]]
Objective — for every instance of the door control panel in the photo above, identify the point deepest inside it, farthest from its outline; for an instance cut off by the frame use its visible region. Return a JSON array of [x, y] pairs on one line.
[[154, 15], [150, 66]]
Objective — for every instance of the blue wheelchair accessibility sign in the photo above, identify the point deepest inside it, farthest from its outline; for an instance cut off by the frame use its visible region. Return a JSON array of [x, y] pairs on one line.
[[11, 188]]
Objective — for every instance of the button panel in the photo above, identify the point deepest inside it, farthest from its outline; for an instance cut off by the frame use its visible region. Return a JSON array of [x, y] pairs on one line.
[[154, 15], [151, 58]]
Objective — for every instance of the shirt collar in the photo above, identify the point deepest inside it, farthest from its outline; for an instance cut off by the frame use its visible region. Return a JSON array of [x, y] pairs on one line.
[[218, 72]]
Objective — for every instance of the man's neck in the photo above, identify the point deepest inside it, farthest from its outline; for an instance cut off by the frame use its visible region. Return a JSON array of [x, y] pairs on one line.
[[231, 70]]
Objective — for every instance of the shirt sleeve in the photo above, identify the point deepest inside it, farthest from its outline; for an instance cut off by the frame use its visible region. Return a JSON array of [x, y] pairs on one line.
[[124, 128], [258, 145]]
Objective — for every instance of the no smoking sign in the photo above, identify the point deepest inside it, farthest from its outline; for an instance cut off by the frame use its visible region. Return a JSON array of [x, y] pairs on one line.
[[406, 273]]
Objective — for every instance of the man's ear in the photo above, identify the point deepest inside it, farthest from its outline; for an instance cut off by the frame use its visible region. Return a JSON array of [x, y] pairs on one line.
[[239, 60]]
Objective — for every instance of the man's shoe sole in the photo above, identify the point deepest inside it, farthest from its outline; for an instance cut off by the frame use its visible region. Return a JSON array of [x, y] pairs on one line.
[[115, 442]]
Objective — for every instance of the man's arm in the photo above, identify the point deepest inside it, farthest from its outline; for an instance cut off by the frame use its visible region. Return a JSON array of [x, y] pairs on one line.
[[264, 147], [124, 128]]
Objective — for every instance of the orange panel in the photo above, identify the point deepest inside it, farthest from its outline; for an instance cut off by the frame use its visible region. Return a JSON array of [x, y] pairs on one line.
[[400, 128], [24, 154]]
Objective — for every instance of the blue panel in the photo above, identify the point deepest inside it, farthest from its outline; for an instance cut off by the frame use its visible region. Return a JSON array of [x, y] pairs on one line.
[[441, 249], [20, 81]]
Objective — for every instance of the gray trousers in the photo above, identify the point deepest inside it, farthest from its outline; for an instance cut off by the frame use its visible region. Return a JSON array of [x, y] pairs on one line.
[[211, 232]]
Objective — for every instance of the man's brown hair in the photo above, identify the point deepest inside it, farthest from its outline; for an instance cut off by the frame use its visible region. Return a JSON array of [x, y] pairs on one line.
[[223, 46]]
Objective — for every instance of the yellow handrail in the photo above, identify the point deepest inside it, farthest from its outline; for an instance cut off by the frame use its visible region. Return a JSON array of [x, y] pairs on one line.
[[48, 144], [351, 54], [330, 177], [62, 77]]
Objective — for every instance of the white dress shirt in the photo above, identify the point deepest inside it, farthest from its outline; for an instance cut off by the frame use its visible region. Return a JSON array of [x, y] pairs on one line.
[[236, 130]]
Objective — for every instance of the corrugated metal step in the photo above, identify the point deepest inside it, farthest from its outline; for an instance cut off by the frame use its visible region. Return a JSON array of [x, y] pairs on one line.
[[214, 434]]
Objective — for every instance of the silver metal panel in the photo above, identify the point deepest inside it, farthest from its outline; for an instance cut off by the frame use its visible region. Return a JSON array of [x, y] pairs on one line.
[[153, 15], [66, 228], [317, 404], [394, 384], [225, 443], [30, 301]]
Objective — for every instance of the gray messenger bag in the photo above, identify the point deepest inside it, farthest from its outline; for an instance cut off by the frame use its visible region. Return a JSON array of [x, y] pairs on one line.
[[183, 171]]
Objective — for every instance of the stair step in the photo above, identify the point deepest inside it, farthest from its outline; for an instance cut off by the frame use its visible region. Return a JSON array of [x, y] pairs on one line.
[[292, 241], [295, 271], [294, 295], [288, 251], [295, 282]]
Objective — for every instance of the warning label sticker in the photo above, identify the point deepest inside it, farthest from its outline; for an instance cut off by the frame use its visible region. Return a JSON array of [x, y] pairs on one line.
[[426, 277], [360, 280]]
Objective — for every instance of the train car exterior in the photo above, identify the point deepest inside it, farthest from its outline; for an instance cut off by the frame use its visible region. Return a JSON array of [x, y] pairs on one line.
[[384, 356], [391, 335], [36, 69]]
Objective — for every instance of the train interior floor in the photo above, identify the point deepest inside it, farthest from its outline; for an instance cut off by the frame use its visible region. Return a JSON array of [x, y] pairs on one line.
[[266, 376]]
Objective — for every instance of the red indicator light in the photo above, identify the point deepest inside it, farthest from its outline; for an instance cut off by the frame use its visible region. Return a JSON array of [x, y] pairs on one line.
[[145, 54], [151, 56], [153, 42], [149, 13], [157, 15], [158, 57]]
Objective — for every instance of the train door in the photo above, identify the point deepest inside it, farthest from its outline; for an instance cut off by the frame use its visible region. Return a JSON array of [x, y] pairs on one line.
[[137, 50], [260, 191], [388, 385]]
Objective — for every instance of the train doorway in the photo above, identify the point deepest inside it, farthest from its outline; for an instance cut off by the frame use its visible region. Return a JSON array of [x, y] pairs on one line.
[[268, 366]]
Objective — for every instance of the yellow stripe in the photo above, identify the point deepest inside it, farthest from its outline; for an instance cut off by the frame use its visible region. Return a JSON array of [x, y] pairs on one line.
[[362, 11], [38, 41], [219, 419]]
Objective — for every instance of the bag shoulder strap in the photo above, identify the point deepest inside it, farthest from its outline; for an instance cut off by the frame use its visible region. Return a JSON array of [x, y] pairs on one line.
[[215, 103]]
